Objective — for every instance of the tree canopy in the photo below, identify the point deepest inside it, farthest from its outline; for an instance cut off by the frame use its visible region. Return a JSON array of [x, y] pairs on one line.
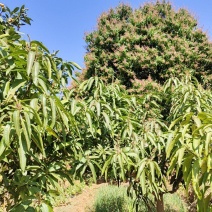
[[154, 40]]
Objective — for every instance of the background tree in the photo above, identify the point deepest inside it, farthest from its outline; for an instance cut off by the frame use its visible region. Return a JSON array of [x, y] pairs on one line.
[[154, 40]]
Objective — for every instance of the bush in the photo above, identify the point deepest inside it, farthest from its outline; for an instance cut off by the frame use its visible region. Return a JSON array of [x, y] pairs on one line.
[[112, 199]]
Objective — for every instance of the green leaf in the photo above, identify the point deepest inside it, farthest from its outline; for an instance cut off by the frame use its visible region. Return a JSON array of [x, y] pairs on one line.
[[53, 109], [121, 164], [6, 89], [73, 106], [53, 65], [51, 132], [89, 121], [143, 182], [98, 108], [208, 142], [197, 121], [171, 142], [141, 167], [30, 61], [43, 101], [2, 146], [37, 139], [175, 122], [195, 178], [6, 135], [28, 123], [49, 68], [107, 120], [152, 170], [16, 119], [43, 85], [22, 154], [91, 166], [15, 86], [23, 124], [37, 43], [34, 104], [180, 156], [75, 65], [46, 207], [35, 72]]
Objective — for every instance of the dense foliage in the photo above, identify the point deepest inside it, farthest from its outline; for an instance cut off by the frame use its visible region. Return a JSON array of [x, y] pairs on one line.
[[32, 126], [154, 40], [156, 138], [131, 139]]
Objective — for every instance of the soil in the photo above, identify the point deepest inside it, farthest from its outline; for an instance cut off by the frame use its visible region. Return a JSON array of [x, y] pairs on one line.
[[82, 202]]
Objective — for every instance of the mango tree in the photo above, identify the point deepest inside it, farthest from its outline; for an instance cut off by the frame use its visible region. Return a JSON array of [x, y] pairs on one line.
[[189, 139], [123, 138], [33, 122]]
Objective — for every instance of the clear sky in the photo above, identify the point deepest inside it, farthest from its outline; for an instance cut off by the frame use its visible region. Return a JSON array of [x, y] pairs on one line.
[[61, 24]]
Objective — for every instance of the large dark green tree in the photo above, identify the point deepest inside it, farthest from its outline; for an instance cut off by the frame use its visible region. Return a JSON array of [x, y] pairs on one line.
[[154, 40]]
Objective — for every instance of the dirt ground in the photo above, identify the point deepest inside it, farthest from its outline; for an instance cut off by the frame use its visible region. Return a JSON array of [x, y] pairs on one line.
[[82, 202]]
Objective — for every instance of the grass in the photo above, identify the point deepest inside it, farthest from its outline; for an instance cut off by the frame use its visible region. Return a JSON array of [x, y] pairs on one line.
[[173, 203], [67, 191], [115, 199], [112, 199]]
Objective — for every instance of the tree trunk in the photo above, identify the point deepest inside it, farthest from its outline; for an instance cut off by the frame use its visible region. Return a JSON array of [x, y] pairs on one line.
[[160, 204]]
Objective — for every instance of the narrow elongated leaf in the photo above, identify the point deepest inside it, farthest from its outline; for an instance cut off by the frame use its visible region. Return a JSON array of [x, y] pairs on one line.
[[121, 164], [22, 154], [16, 119], [98, 108], [143, 182], [91, 166], [49, 68], [73, 107], [6, 89], [53, 109], [35, 72], [28, 123], [51, 132], [43, 101], [171, 142], [30, 61], [152, 170], [37, 43], [76, 65], [141, 168], [180, 156], [89, 121], [53, 65], [107, 120], [6, 135], [2, 146], [34, 104], [23, 124], [43, 85], [37, 139], [195, 178], [208, 142]]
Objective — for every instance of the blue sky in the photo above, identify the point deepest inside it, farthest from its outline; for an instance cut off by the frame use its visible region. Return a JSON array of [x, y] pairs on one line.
[[61, 25]]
